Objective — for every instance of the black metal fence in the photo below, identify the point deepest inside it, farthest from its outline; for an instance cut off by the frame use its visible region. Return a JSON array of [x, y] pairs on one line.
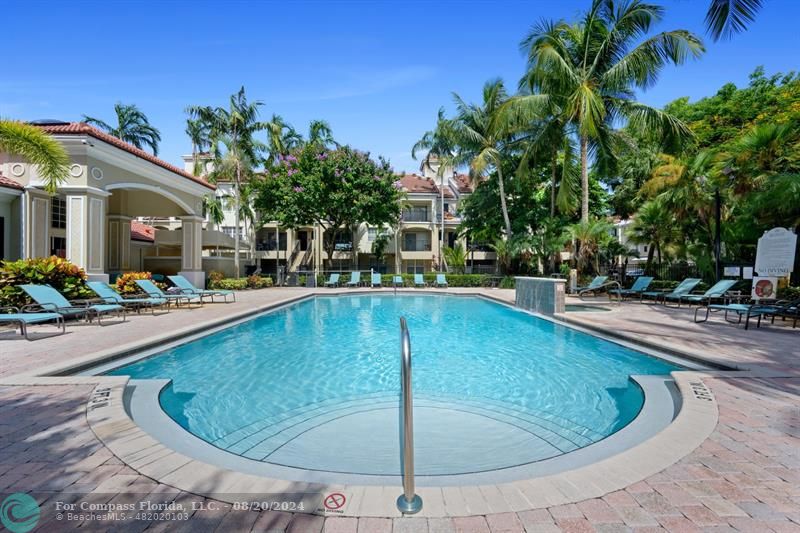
[[625, 274]]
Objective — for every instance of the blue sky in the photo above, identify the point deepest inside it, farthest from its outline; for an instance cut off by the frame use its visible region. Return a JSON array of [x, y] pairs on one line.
[[376, 71]]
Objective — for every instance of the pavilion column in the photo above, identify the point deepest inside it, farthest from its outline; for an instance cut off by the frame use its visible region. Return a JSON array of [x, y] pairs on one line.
[[86, 223], [37, 224], [192, 250], [119, 243]]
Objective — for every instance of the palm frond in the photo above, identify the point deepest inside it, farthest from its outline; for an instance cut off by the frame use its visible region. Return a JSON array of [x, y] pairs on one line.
[[725, 18], [46, 154]]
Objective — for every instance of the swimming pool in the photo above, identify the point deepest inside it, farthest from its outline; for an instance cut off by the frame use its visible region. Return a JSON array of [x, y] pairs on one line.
[[315, 385]]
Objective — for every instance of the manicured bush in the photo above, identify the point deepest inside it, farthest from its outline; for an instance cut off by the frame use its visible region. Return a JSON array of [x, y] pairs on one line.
[[62, 275], [258, 282], [126, 283], [229, 284], [214, 276]]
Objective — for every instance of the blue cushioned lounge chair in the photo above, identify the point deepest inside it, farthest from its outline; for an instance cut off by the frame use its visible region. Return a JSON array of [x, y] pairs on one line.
[[376, 280], [638, 287], [718, 291], [333, 280], [50, 300], [23, 320], [787, 309], [419, 281], [397, 281], [110, 296], [355, 279], [152, 290], [596, 285], [186, 287], [685, 287], [441, 280]]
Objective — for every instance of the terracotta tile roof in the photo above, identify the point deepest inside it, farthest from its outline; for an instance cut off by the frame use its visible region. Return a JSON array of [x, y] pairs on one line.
[[464, 183], [142, 232], [80, 128], [417, 184], [9, 183]]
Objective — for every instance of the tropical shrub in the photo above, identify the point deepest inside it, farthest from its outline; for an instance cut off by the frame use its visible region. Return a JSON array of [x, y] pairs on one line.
[[789, 293], [229, 284], [257, 282], [62, 275], [215, 275], [126, 283]]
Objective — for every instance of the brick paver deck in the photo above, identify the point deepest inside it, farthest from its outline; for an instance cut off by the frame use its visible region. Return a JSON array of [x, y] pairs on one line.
[[745, 477]]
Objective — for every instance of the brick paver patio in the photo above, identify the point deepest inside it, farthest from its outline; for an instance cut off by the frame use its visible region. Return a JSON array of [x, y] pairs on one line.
[[745, 477]]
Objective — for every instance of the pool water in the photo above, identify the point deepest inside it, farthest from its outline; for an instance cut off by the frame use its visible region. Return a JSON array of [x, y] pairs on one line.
[[315, 385]]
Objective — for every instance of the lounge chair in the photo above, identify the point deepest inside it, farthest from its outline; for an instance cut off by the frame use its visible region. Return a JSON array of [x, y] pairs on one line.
[[152, 290], [376, 280], [49, 299], [397, 281], [718, 291], [788, 309], [110, 296], [441, 280], [16, 318], [685, 287], [419, 281], [596, 285], [640, 285], [333, 280], [186, 287], [355, 279]]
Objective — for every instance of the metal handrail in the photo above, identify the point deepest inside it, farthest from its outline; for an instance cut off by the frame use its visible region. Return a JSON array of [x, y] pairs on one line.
[[408, 502]]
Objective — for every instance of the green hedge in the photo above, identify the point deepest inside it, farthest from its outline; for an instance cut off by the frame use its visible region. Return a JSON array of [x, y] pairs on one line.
[[789, 293], [233, 284]]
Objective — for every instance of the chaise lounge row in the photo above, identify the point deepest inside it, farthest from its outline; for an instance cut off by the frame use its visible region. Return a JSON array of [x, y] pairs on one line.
[[51, 306], [376, 280]]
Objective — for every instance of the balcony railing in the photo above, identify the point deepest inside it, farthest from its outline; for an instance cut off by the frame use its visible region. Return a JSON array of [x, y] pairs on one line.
[[418, 247], [412, 216]]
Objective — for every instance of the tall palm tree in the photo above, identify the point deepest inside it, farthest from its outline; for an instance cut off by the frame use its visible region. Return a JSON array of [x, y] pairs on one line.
[[589, 236], [590, 70], [727, 17], [132, 127], [235, 149], [198, 132], [482, 139], [36, 146]]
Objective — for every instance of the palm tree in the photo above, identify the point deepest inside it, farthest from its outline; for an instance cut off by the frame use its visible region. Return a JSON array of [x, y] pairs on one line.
[[456, 257], [653, 225], [320, 133], [198, 133], [132, 127], [482, 138], [212, 208], [589, 236], [44, 152], [233, 128], [726, 17], [281, 138], [590, 70]]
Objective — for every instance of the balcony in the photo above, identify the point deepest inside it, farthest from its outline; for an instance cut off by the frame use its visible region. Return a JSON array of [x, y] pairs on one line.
[[416, 247], [415, 216]]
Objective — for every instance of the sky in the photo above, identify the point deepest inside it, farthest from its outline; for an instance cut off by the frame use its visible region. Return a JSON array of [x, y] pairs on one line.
[[377, 71]]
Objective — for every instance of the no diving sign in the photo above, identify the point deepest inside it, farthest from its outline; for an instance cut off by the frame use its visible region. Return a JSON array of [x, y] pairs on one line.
[[333, 503]]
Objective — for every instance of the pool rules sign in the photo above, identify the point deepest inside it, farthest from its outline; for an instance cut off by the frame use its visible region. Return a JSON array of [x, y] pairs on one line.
[[775, 253]]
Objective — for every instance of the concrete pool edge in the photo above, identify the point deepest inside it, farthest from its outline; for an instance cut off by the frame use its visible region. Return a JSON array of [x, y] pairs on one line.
[[693, 424]]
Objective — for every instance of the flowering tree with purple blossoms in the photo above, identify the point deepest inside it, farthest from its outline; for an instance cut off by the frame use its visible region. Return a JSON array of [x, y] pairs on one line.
[[338, 189]]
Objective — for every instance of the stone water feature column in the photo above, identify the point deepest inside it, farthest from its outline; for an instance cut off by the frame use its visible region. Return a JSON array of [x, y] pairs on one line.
[[540, 295]]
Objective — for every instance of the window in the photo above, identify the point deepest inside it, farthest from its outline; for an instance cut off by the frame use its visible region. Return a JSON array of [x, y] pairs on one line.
[[230, 231], [58, 213], [372, 233], [58, 247], [416, 213]]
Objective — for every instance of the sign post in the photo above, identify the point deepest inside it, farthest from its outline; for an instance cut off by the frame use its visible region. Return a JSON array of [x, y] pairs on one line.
[[774, 259]]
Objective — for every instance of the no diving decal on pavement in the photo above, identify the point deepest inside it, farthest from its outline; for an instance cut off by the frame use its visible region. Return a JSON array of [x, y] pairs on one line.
[[333, 503]]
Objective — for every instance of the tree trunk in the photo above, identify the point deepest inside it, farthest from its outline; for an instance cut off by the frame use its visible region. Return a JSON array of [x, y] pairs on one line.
[[503, 202], [584, 178], [237, 223], [553, 181]]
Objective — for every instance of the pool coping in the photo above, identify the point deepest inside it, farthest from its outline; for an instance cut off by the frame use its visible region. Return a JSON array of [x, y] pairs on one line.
[[142, 403], [111, 424], [693, 424]]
